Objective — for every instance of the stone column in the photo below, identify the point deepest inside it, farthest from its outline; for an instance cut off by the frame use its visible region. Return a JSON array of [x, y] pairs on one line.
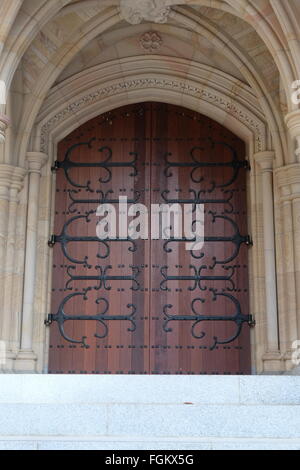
[[6, 172], [8, 282], [26, 358], [295, 190], [272, 357], [10, 184], [288, 180]]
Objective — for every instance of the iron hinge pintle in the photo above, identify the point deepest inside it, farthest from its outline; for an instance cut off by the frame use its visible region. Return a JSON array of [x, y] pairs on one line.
[[49, 320], [249, 241], [251, 321], [247, 165], [52, 241], [55, 167]]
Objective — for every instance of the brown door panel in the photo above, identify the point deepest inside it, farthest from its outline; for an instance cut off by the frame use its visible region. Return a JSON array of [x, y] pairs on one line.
[[149, 295]]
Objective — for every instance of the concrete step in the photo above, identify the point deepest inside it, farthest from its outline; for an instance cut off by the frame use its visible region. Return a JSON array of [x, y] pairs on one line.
[[149, 412]]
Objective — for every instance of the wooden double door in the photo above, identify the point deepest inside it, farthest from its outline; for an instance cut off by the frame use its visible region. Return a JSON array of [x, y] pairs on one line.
[[132, 306]]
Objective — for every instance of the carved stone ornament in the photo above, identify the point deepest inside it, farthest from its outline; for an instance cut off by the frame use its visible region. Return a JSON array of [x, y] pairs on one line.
[[151, 41], [135, 11]]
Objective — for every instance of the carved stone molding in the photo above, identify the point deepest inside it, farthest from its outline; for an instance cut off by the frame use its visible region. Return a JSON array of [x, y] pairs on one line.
[[151, 41], [4, 121], [197, 91], [135, 11]]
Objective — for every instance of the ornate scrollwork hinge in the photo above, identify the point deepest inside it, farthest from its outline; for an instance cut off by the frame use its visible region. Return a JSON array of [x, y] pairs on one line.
[[102, 318], [197, 318]]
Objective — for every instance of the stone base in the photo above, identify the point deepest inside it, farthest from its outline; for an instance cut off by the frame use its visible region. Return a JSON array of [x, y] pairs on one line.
[[25, 362], [295, 371], [7, 365], [273, 363]]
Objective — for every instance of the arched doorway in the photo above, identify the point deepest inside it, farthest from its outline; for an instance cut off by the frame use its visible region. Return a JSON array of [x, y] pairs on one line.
[[150, 306]]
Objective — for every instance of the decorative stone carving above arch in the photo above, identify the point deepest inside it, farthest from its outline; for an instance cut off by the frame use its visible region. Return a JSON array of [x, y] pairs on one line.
[[135, 11], [150, 41]]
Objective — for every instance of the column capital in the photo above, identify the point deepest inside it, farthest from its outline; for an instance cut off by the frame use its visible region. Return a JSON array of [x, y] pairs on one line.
[[265, 160], [10, 177], [36, 161], [17, 182], [288, 181], [292, 121], [4, 122]]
